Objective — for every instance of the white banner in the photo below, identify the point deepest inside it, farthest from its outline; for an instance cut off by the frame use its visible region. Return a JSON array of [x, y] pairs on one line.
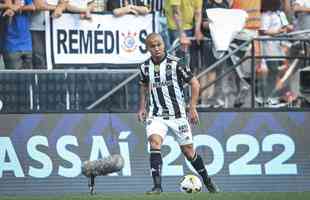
[[104, 39]]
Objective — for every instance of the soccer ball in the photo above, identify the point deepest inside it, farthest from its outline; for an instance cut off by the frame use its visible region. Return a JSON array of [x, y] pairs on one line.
[[190, 184]]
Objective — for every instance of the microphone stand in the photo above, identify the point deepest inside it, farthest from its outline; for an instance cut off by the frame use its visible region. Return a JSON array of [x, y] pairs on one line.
[[91, 184]]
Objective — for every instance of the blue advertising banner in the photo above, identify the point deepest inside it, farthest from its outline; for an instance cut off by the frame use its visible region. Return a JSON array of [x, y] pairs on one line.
[[243, 151]]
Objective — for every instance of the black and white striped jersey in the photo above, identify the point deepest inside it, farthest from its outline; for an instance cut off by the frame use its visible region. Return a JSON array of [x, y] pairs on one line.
[[165, 81]]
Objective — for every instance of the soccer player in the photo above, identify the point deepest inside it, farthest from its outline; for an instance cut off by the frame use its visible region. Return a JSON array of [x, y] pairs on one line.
[[162, 77]]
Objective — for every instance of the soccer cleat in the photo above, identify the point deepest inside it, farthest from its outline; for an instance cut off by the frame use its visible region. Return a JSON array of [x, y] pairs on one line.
[[211, 186], [155, 190]]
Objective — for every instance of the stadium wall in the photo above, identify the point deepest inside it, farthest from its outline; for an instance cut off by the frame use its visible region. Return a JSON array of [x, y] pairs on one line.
[[244, 151]]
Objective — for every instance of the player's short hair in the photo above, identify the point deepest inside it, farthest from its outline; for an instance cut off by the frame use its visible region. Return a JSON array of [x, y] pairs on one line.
[[151, 36]]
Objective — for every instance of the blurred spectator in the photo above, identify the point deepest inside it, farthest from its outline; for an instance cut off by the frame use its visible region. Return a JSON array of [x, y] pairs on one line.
[[5, 6], [123, 7], [158, 6], [7, 9], [184, 20], [60, 7], [252, 7], [213, 95], [274, 22], [37, 28], [84, 7], [302, 11], [240, 89], [286, 6], [17, 40], [100, 6]]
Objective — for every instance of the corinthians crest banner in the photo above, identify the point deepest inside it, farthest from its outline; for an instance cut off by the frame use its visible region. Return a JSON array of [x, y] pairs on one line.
[[104, 39]]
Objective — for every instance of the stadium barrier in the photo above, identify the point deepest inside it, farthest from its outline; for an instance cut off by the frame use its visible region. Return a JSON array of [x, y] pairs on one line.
[[30, 91]]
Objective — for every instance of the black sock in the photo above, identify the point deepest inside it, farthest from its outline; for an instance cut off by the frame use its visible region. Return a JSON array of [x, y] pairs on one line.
[[198, 165], [156, 164]]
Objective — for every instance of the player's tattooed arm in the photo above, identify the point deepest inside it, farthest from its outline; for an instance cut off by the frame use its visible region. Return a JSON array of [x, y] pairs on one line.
[[142, 101], [193, 114]]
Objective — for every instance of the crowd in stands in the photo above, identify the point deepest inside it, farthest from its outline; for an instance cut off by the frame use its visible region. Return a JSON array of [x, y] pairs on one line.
[[22, 37]]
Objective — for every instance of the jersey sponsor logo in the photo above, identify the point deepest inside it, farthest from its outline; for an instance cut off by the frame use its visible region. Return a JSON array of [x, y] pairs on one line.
[[168, 72]]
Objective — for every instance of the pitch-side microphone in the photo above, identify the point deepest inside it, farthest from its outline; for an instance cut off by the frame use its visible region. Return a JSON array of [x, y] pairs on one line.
[[101, 167]]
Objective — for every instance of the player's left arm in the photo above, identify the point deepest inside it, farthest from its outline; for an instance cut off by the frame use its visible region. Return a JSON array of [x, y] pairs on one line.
[[184, 71], [143, 92], [193, 114], [142, 101]]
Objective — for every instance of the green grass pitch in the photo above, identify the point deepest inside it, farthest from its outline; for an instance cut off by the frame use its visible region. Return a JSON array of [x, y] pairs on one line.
[[175, 196]]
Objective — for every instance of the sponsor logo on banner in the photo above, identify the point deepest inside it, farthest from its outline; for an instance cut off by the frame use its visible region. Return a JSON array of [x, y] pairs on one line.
[[129, 42]]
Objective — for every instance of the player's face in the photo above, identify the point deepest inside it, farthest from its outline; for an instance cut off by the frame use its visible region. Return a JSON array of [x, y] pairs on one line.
[[157, 48]]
